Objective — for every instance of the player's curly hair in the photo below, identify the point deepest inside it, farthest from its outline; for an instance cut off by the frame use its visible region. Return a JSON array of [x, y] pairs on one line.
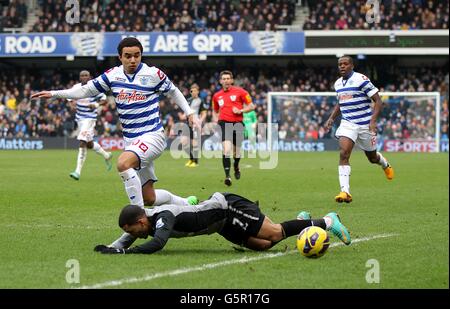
[[130, 215]]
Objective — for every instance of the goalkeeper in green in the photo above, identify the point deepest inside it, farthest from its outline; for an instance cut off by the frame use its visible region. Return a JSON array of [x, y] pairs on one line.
[[250, 120]]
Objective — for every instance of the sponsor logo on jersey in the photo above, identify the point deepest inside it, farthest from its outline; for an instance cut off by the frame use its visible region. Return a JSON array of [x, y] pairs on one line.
[[124, 97], [144, 80], [120, 79], [233, 98], [343, 97]]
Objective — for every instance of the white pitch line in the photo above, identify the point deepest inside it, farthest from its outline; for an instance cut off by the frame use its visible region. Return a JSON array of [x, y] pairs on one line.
[[182, 271], [57, 226]]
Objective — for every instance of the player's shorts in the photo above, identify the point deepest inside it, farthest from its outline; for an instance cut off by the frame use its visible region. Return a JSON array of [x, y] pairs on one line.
[[360, 135], [244, 219], [147, 148], [87, 127], [232, 131]]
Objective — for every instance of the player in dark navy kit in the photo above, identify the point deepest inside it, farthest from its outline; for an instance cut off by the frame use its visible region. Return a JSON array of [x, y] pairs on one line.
[[229, 105], [200, 109], [236, 218]]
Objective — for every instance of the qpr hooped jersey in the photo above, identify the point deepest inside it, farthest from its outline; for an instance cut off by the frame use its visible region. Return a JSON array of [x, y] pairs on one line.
[[354, 95], [83, 110], [137, 97]]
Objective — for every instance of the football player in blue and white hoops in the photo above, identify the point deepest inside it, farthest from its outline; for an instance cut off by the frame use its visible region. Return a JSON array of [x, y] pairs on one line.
[[136, 88], [86, 117], [355, 93]]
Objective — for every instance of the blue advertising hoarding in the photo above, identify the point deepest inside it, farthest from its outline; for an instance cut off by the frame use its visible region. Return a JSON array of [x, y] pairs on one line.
[[154, 43]]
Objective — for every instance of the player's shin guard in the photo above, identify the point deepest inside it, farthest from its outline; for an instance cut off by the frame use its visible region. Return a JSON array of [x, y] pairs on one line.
[[82, 152], [164, 197], [226, 162], [382, 161], [133, 186], [344, 177], [294, 227], [99, 150]]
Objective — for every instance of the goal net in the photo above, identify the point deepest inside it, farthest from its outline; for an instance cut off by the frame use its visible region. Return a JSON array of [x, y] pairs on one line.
[[409, 121]]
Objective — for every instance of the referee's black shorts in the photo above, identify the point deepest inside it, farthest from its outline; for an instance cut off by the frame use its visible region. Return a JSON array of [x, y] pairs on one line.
[[244, 219], [232, 131]]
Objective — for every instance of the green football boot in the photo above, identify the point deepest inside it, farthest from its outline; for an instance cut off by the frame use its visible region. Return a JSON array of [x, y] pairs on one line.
[[75, 175], [192, 200], [338, 229], [304, 215], [109, 161]]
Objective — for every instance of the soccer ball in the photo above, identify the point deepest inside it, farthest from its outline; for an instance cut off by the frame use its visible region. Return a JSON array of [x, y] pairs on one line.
[[313, 242]]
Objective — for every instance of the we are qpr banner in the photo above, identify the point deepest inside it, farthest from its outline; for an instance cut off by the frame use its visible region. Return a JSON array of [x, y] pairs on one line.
[[154, 43]]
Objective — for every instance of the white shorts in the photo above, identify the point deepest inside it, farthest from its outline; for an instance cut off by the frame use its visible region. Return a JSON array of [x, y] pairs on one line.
[[86, 127], [147, 148], [360, 135]]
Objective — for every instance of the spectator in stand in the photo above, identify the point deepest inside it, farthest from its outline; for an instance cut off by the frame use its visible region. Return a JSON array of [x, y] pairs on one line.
[[395, 15], [257, 79]]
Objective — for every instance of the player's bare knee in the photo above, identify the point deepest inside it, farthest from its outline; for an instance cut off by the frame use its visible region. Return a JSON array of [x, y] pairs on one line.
[[123, 165]]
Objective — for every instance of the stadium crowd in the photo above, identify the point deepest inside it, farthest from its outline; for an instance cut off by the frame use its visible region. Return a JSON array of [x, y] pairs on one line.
[[167, 15], [20, 117], [13, 14], [216, 15], [394, 15]]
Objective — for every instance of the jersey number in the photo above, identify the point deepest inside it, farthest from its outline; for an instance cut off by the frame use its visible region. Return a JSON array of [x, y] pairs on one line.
[[142, 146], [236, 221]]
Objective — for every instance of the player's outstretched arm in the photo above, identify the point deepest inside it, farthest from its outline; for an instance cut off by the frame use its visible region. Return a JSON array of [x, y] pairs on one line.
[[164, 226], [175, 94], [85, 91], [42, 94]]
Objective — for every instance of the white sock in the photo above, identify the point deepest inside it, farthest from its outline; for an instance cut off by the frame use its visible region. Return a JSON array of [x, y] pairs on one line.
[[99, 150], [82, 152], [344, 177], [133, 186], [383, 162], [328, 222], [164, 197]]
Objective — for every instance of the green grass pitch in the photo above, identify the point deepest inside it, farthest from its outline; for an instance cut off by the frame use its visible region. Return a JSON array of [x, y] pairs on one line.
[[47, 219]]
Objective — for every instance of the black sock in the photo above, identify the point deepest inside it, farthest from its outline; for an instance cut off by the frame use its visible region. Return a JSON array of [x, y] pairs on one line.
[[294, 227], [226, 165], [194, 155], [191, 155], [236, 163], [187, 150]]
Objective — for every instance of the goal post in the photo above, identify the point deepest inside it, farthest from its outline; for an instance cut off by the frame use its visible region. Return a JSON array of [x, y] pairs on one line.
[[409, 121]]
